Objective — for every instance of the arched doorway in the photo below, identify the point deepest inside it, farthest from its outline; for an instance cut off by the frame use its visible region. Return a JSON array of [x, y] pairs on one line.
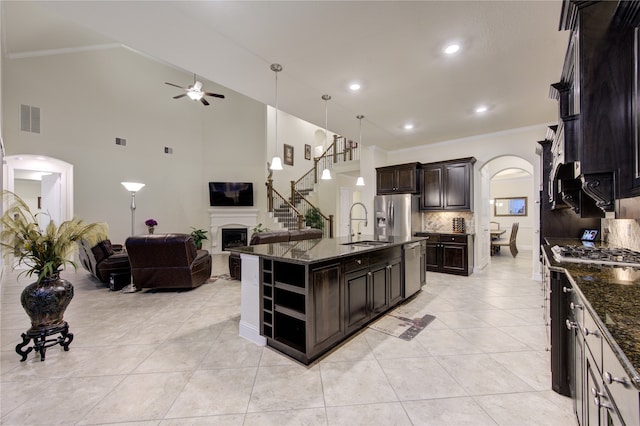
[[55, 177], [511, 175]]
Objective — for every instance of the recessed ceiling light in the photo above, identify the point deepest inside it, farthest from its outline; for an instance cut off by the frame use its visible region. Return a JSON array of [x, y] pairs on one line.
[[451, 49], [408, 126], [481, 109], [354, 86]]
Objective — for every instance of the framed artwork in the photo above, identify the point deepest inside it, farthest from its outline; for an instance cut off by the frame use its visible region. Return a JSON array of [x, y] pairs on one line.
[[288, 155], [307, 152]]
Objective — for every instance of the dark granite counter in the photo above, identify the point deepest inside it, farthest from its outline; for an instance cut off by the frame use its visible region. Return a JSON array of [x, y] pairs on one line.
[[613, 296], [311, 251]]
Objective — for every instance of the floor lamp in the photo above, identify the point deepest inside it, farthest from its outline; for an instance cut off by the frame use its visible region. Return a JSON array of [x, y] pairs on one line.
[[132, 187]]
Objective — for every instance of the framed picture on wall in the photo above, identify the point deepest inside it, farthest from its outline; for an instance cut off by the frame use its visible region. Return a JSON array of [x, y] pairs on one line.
[[307, 152], [288, 155]]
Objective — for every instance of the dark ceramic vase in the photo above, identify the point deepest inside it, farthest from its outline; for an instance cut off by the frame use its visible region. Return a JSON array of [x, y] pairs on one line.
[[45, 302]]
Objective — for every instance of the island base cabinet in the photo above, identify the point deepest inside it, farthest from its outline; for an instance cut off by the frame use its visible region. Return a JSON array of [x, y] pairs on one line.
[[326, 313], [357, 299], [306, 309]]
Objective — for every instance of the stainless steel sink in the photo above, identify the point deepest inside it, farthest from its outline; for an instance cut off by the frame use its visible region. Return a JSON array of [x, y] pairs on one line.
[[365, 243]]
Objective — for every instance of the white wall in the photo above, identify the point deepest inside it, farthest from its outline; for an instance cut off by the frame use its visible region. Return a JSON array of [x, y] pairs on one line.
[[523, 187], [88, 99]]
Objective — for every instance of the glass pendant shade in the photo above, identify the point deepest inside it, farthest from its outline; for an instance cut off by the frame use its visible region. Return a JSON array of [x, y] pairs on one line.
[[360, 181], [326, 174], [276, 163]]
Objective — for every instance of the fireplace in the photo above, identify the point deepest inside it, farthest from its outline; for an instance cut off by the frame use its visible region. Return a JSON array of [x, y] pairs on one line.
[[233, 237], [229, 218]]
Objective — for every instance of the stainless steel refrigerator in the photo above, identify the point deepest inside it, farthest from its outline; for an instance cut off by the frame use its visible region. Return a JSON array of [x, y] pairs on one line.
[[396, 215]]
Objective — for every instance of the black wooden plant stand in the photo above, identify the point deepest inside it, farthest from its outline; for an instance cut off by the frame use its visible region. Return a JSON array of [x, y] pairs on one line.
[[40, 341]]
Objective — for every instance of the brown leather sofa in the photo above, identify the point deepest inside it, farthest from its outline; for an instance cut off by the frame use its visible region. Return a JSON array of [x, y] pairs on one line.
[[167, 261], [266, 237], [105, 259]]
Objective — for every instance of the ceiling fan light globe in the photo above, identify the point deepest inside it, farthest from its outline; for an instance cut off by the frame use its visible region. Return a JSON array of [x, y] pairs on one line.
[[196, 96]]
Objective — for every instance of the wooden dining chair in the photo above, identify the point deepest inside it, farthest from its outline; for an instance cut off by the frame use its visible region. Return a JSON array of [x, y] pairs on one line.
[[511, 242]]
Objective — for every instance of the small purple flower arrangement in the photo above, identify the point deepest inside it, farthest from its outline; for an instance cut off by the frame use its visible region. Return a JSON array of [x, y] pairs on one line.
[[151, 222]]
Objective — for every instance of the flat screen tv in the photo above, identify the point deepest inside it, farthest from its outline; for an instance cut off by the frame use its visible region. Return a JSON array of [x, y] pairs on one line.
[[231, 193]]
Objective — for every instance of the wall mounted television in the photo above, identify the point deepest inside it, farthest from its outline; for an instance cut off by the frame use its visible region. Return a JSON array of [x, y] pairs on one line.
[[231, 194]]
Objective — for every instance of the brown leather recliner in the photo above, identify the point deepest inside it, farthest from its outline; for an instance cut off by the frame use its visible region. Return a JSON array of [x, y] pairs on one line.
[[103, 259], [167, 261]]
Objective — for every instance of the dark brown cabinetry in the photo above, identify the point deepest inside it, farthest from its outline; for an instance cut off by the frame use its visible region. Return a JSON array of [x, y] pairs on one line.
[[449, 253], [372, 290], [306, 309], [583, 362], [595, 149], [447, 185], [399, 179]]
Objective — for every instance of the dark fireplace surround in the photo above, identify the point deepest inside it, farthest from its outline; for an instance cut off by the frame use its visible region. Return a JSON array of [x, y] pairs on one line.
[[233, 237]]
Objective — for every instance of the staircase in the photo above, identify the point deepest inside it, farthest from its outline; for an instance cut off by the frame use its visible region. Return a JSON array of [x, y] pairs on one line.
[[290, 211]]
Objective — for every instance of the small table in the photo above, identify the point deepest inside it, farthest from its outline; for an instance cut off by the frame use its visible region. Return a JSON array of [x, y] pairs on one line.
[[497, 233]]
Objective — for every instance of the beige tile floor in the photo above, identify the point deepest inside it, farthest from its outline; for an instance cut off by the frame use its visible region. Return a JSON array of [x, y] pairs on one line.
[[175, 358]]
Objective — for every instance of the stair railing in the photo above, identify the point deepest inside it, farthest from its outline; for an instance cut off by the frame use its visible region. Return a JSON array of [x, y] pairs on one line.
[[306, 205], [341, 150], [274, 198]]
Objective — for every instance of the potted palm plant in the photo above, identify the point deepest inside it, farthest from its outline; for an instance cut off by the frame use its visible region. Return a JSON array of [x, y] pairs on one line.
[[43, 252]]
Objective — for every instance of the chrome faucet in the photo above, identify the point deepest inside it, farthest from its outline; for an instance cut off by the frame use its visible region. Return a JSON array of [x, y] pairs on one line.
[[351, 218]]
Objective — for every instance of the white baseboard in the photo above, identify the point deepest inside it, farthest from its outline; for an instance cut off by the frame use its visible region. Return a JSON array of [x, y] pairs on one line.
[[252, 334]]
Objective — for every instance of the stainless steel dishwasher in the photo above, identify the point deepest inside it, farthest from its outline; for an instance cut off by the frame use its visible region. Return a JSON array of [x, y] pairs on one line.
[[411, 252]]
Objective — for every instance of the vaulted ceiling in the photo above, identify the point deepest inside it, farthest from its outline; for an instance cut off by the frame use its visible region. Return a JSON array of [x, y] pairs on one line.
[[510, 52]]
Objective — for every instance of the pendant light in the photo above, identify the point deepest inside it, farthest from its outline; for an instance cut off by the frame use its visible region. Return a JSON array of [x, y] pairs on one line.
[[360, 181], [276, 162], [326, 174]]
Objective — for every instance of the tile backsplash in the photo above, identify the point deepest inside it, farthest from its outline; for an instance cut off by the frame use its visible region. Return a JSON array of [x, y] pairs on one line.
[[622, 233], [443, 221]]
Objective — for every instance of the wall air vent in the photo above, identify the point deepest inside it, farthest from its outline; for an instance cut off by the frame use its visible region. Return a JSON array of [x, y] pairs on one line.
[[121, 141], [29, 119]]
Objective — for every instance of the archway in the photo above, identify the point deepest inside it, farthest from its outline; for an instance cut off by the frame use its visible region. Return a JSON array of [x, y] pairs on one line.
[[517, 177], [59, 185]]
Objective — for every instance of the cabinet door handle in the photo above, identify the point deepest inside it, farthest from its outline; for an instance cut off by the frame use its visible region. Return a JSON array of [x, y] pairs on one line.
[[608, 377], [359, 261], [575, 305], [588, 332], [571, 325], [567, 290]]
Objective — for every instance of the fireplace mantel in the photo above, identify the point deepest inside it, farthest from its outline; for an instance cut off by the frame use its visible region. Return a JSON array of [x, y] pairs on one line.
[[229, 217]]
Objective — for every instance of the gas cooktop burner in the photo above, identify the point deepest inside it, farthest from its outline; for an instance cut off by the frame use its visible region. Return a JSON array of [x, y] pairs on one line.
[[597, 255]]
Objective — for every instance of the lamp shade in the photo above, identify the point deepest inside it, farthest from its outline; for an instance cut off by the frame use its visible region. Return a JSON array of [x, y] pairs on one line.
[[360, 181], [326, 174], [132, 186], [276, 163]]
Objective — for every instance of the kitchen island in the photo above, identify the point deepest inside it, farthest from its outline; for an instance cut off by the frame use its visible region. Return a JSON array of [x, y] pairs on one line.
[[305, 297], [595, 336]]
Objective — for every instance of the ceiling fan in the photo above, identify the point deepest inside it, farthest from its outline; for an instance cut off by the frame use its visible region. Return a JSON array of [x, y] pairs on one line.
[[194, 91]]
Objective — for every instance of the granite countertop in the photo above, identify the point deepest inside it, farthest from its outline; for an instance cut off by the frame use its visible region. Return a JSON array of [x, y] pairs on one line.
[[613, 295], [319, 250]]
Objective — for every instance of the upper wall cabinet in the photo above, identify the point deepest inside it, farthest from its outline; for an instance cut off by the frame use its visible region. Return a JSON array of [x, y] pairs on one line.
[[399, 179], [598, 102], [448, 185]]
